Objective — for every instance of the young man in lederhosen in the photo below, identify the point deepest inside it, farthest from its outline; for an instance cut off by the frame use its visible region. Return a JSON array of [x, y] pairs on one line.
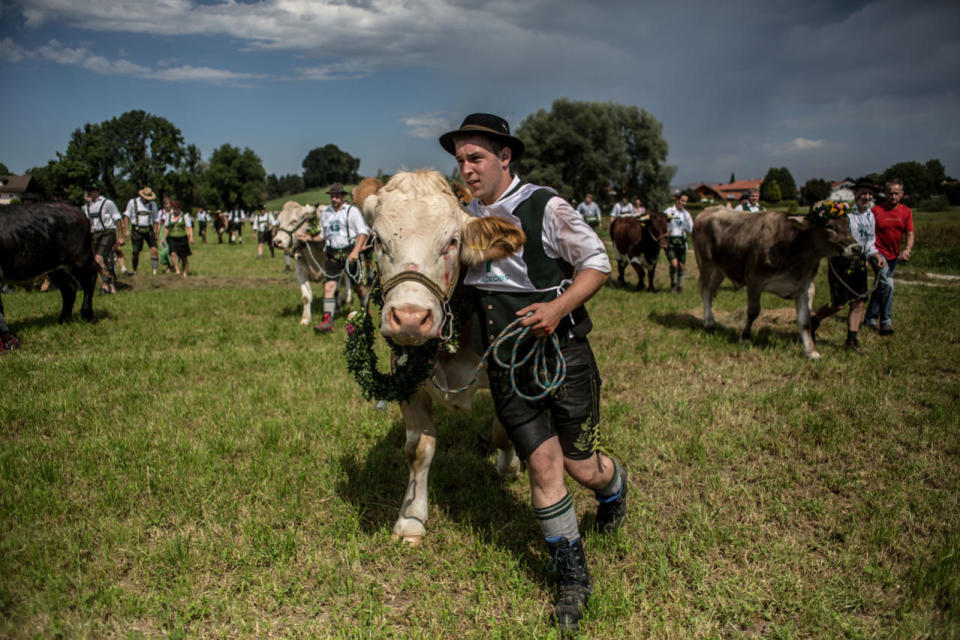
[[563, 263]]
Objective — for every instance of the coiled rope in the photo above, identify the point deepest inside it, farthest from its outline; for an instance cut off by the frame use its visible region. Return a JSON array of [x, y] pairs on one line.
[[539, 357]]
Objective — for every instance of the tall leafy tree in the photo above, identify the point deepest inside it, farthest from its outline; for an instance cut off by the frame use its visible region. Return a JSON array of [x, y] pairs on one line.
[[327, 164], [593, 147], [4, 170], [131, 151], [784, 180], [770, 191], [234, 176], [919, 181], [814, 190], [185, 183]]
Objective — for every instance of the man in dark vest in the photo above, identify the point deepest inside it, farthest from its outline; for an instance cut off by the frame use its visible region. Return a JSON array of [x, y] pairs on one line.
[[563, 263]]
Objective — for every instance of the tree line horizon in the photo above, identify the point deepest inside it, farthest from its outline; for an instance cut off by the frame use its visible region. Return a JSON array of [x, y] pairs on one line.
[[601, 148]]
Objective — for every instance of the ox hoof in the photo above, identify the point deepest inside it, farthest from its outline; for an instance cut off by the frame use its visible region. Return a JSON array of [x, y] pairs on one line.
[[814, 355], [409, 530], [305, 323], [508, 469], [413, 541]]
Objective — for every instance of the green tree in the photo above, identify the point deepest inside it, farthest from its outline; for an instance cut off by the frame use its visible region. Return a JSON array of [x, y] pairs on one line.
[[588, 147], [784, 180], [814, 190], [919, 181], [125, 154], [3, 169], [234, 177], [770, 191], [328, 164], [185, 183], [733, 178]]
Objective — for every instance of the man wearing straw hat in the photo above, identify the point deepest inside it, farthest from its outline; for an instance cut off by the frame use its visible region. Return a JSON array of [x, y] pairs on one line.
[[142, 223], [562, 264]]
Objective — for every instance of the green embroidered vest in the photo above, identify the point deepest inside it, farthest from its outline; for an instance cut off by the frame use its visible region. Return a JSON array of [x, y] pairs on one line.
[[498, 308]]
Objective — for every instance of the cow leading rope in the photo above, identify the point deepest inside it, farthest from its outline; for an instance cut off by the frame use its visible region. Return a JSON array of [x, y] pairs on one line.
[[405, 376], [857, 294]]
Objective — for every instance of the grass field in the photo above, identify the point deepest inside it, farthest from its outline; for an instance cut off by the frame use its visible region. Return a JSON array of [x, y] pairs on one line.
[[197, 465]]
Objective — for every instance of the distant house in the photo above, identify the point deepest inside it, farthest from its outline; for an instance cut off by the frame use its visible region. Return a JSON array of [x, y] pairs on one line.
[[17, 187], [729, 192], [733, 190], [841, 191], [707, 192]]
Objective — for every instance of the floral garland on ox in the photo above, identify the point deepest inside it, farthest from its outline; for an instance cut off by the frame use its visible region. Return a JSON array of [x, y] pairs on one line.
[[822, 212], [410, 366]]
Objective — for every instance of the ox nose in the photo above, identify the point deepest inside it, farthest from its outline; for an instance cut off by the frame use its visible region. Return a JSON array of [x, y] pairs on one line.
[[411, 322]]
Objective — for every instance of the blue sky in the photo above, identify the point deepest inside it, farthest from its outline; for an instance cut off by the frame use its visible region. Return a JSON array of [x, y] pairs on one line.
[[825, 88]]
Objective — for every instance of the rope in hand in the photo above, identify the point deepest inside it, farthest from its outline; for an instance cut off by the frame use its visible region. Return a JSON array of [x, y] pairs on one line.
[[856, 294], [537, 354]]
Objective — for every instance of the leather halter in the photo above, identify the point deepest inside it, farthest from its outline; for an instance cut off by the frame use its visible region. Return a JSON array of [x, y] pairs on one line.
[[290, 233], [442, 296]]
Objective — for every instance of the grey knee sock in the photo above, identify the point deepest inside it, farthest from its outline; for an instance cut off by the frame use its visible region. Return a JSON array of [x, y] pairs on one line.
[[329, 305], [558, 520], [613, 488]]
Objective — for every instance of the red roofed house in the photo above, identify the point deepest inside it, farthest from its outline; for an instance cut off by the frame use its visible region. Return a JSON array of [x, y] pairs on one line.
[[734, 190]]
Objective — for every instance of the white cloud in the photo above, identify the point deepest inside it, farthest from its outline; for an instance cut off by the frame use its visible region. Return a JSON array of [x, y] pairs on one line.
[[10, 52], [803, 144], [427, 125], [56, 52]]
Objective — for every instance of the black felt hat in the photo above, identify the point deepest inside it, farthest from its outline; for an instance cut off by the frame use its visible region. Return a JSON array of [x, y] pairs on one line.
[[485, 124], [865, 183]]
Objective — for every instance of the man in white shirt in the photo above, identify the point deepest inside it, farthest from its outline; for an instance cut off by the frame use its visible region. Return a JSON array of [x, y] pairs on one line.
[[679, 224], [563, 264], [142, 224], [344, 234], [263, 224], [622, 208], [104, 218], [753, 202], [236, 219], [590, 211]]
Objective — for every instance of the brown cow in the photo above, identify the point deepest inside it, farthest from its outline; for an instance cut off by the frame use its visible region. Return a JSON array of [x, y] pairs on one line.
[[770, 252], [638, 240]]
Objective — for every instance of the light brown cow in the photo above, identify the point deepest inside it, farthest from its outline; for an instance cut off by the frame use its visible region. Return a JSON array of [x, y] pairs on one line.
[[770, 252], [421, 237]]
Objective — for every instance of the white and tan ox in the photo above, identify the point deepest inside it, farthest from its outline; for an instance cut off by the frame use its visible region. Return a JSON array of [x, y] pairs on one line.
[[294, 219], [422, 236], [770, 252]]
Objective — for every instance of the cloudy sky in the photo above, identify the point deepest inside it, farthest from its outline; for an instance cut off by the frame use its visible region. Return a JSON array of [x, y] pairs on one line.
[[825, 88]]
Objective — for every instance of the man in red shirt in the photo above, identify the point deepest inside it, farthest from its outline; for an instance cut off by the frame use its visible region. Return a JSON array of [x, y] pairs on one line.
[[893, 220]]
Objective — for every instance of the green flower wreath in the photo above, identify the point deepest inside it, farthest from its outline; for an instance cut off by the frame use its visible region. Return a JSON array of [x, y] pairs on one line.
[[822, 212], [410, 366]]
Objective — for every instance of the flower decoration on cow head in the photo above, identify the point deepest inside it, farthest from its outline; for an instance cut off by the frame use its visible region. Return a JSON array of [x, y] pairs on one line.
[[824, 211]]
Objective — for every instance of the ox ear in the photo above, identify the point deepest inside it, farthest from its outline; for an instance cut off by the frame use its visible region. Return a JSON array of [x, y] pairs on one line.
[[367, 190], [490, 238], [800, 222]]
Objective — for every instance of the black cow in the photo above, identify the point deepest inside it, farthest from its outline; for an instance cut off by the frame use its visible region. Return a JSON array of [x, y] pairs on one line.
[[638, 240], [52, 238]]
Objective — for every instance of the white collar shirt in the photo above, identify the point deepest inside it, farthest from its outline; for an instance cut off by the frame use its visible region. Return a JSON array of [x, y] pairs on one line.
[[565, 234], [103, 214]]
